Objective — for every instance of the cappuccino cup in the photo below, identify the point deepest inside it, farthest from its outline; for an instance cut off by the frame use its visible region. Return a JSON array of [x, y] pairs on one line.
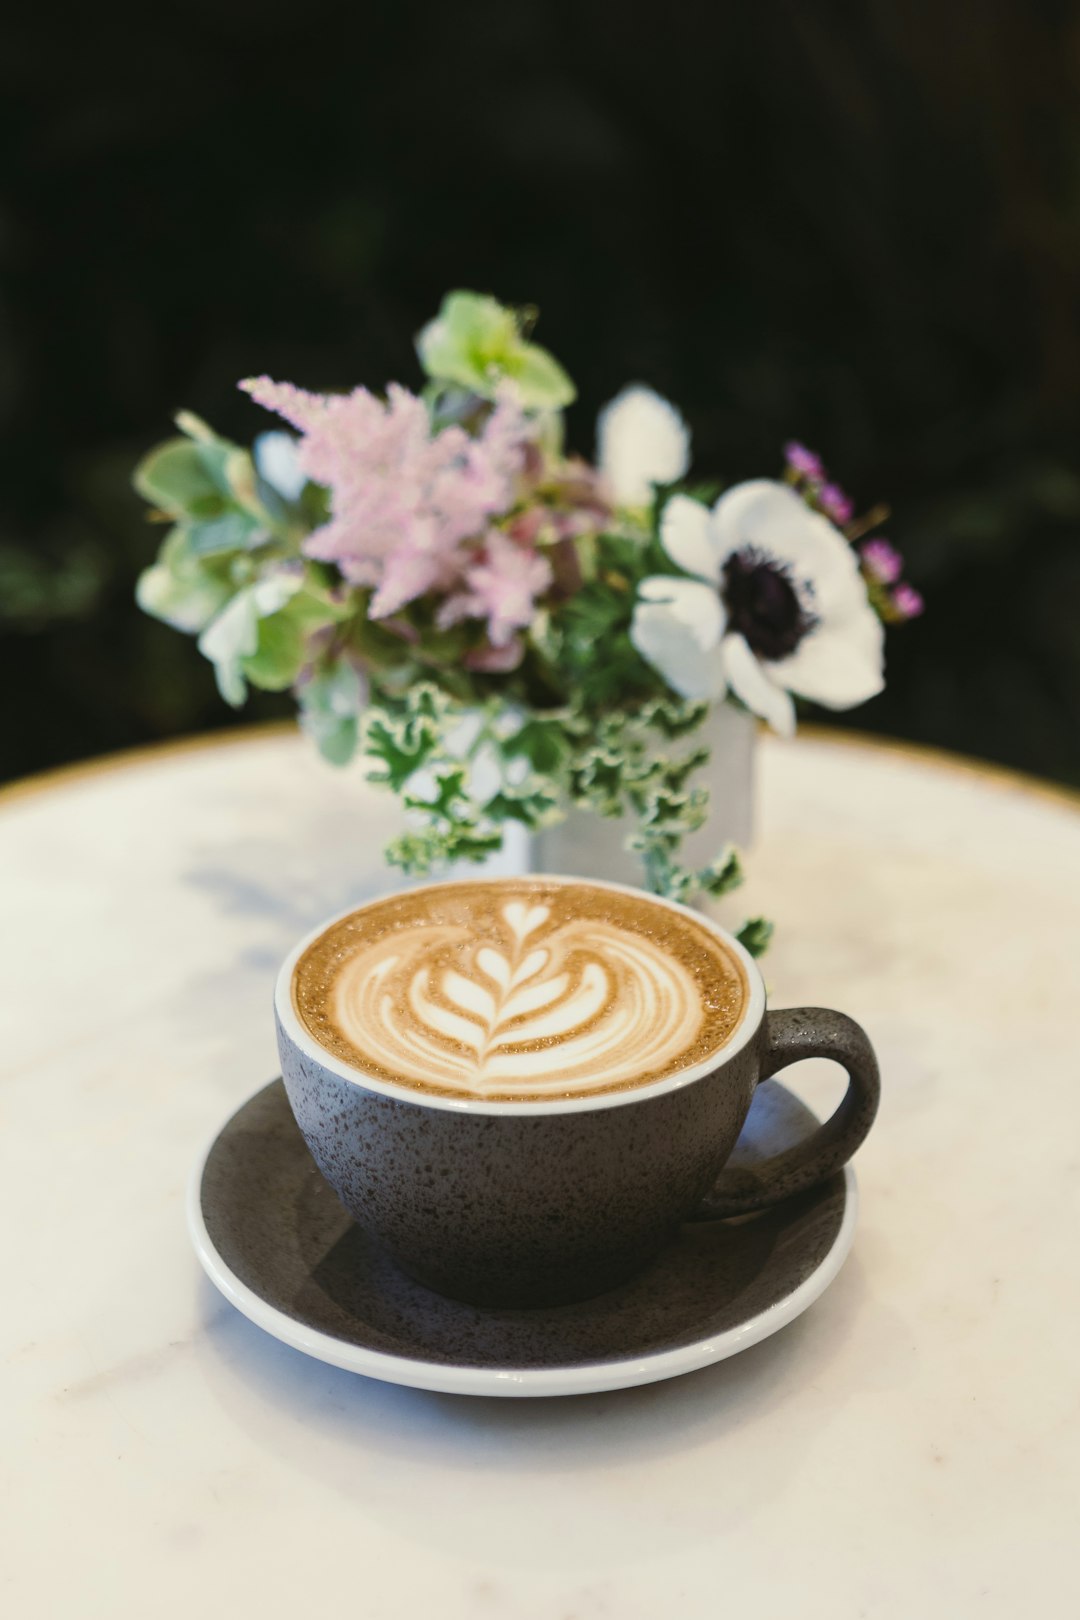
[[521, 1087]]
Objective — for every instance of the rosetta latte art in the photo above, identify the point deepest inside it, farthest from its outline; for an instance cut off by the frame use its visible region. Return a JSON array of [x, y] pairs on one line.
[[520, 1001]]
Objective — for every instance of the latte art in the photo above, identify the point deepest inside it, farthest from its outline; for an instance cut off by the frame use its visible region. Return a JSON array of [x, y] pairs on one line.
[[518, 990]]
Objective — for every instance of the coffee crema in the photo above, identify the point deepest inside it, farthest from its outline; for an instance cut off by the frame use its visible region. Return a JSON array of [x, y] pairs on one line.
[[516, 990]]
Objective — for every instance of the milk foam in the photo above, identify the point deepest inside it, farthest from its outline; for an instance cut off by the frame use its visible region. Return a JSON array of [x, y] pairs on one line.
[[526, 996]]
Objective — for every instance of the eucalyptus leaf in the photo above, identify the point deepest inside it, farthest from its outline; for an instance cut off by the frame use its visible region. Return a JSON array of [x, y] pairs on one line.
[[233, 640], [187, 603], [174, 477], [330, 705], [280, 653], [232, 531], [183, 588]]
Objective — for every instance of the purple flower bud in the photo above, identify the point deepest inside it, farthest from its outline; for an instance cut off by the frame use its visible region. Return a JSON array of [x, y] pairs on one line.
[[882, 561], [803, 461], [835, 504], [907, 601]]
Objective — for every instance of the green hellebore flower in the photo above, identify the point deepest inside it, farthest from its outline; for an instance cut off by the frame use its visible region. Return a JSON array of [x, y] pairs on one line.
[[477, 343]]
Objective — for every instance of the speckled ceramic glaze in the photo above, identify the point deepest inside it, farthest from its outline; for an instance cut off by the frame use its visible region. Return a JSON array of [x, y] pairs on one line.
[[539, 1203], [273, 1237]]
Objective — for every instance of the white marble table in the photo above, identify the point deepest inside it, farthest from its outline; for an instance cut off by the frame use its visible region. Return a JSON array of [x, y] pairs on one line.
[[910, 1447]]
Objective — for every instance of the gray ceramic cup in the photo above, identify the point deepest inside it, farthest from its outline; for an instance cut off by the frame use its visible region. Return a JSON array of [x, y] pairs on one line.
[[544, 1203]]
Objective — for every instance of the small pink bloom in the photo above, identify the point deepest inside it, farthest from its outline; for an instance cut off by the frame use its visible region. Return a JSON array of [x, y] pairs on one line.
[[408, 572], [835, 504], [501, 586], [907, 602], [807, 463], [882, 561]]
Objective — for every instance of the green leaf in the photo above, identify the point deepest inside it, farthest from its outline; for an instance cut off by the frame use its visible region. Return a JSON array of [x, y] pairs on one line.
[[228, 640], [543, 742], [330, 704], [211, 482], [474, 843], [707, 491], [187, 604], [183, 588], [534, 805], [674, 717], [597, 781], [196, 428], [666, 775], [232, 531], [625, 554], [401, 746], [174, 477], [418, 852], [280, 653], [755, 935], [449, 796], [232, 640], [722, 874], [415, 852], [254, 496]]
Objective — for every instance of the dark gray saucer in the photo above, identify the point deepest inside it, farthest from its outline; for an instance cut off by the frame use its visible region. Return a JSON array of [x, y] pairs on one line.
[[273, 1237]]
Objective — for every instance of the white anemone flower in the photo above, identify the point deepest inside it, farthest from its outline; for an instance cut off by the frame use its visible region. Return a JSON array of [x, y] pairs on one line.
[[641, 440], [776, 606]]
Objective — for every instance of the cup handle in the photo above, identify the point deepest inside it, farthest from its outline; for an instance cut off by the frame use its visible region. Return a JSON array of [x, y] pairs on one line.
[[791, 1034]]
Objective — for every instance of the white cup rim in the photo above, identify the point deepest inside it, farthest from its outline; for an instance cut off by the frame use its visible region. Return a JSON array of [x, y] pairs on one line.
[[301, 1038]]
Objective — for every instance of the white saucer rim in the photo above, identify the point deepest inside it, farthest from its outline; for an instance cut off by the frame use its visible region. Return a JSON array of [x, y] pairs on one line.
[[584, 1378]]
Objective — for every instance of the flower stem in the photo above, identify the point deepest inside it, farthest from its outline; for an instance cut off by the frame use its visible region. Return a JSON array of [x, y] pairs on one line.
[[870, 520]]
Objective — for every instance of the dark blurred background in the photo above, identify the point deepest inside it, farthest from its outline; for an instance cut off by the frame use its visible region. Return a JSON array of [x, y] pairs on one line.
[[854, 224]]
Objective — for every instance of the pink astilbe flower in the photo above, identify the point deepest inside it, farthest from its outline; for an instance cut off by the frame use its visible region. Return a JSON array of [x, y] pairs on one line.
[[501, 587], [403, 500]]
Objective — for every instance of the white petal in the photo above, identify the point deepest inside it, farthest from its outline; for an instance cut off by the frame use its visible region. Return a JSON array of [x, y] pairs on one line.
[[641, 440], [753, 512], [235, 632], [276, 460], [689, 538], [772, 519], [840, 663], [750, 681], [677, 627], [271, 593], [694, 604], [231, 637]]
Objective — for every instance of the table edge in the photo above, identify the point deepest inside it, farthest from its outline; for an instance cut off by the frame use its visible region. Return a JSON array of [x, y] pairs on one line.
[[1000, 777]]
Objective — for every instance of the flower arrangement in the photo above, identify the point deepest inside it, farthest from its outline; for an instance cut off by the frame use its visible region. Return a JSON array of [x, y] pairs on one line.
[[503, 629]]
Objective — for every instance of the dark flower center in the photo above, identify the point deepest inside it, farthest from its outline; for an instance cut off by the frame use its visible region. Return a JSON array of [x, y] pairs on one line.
[[763, 604]]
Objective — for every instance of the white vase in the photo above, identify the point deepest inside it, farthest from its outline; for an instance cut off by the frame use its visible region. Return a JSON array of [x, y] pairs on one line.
[[587, 845]]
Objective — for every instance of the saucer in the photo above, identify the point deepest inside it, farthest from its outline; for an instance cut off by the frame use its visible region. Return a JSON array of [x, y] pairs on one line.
[[272, 1236]]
